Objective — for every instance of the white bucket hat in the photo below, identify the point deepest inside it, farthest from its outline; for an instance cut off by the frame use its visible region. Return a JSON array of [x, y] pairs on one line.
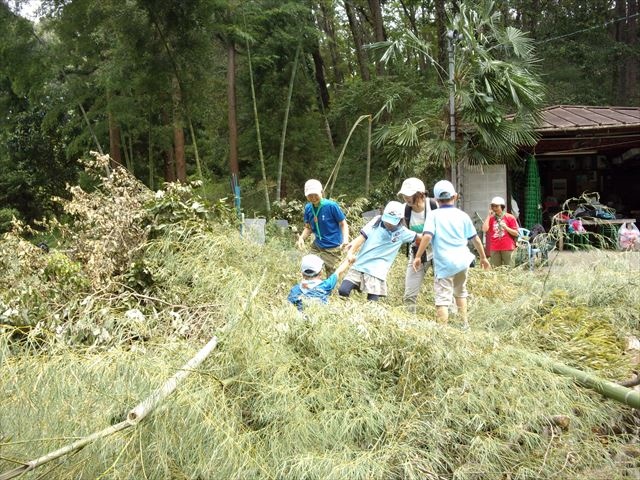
[[498, 201]]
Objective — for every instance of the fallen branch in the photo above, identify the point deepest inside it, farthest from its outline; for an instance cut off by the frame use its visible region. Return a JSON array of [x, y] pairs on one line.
[[135, 416]]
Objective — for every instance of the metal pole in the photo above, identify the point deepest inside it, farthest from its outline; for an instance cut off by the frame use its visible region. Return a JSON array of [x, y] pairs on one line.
[[451, 37]]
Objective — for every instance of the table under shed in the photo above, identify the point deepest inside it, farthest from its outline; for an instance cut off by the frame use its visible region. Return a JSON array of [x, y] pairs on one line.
[[607, 234]]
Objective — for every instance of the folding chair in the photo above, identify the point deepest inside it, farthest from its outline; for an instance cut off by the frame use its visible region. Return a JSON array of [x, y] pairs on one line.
[[524, 235]]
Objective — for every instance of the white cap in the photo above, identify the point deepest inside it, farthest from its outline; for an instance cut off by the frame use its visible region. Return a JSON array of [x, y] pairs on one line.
[[311, 265], [443, 190], [411, 186], [393, 213], [498, 201], [312, 187]]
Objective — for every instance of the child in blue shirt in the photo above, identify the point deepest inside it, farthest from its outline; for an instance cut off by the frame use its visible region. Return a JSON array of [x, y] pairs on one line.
[[450, 229], [326, 221], [377, 246], [313, 287]]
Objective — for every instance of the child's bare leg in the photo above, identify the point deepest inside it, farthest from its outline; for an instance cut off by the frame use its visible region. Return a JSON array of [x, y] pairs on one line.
[[442, 314], [461, 303]]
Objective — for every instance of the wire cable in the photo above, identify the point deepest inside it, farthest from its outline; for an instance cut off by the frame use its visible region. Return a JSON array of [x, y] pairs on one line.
[[589, 28]]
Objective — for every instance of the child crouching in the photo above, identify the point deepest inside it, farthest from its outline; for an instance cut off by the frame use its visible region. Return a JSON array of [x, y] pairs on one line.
[[312, 287]]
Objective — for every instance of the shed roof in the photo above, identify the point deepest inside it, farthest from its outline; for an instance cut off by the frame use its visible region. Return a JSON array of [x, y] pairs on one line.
[[560, 118]]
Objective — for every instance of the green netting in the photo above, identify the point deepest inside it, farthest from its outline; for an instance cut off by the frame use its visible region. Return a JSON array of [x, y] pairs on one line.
[[532, 202]]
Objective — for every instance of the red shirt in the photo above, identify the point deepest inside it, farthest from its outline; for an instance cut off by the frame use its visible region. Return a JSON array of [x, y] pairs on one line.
[[499, 238]]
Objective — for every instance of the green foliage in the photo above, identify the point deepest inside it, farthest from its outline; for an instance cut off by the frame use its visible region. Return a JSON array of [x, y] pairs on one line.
[[7, 215], [61, 269], [497, 95], [181, 205], [290, 210]]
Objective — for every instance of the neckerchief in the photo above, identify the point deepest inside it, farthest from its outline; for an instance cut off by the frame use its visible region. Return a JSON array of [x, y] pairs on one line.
[[315, 217]]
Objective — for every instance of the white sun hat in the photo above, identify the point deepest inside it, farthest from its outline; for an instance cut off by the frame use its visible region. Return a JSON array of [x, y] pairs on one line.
[[411, 186], [312, 187]]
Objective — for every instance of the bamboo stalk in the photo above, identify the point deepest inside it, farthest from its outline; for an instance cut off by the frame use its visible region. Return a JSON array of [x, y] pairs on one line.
[[286, 121], [77, 445], [368, 174], [258, 136], [135, 416], [609, 389], [336, 168], [152, 401]]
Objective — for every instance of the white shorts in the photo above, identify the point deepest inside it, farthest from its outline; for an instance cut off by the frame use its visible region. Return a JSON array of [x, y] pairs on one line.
[[367, 283]]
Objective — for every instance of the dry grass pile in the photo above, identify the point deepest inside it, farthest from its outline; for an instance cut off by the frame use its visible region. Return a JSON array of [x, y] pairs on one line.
[[350, 390]]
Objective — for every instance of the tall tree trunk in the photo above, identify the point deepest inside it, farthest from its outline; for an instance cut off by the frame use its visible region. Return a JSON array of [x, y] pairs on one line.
[[323, 93], [128, 158], [169, 159], [114, 135], [114, 141], [356, 32], [151, 163], [178, 133], [378, 28], [621, 64], [441, 30], [327, 23], [231, 111], [318, 64], [410, 14], [632, 60]]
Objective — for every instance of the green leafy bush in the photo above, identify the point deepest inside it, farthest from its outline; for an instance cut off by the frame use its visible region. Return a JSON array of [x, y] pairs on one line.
[[6, 217]]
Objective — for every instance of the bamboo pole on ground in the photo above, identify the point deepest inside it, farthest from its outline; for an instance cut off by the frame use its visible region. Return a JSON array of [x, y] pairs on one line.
[[611, 390], [135, 416]]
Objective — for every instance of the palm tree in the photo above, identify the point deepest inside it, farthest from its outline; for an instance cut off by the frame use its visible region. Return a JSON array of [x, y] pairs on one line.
[[497, 95]]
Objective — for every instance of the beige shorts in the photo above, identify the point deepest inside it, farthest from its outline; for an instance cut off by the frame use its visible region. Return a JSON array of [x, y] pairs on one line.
[[366, 283], [331, 257], [446, 289]]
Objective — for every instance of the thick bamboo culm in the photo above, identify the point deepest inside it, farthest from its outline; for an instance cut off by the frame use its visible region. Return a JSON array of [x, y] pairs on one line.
[[135, 416], [610, 390]]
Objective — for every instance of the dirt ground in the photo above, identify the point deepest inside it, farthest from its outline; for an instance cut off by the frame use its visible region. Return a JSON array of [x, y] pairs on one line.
[[568, 259]]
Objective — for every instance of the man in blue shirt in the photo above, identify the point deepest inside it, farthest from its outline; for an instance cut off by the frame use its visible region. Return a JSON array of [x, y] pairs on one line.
[[313, 288], [450, 230], [377, 246], [325, 219]]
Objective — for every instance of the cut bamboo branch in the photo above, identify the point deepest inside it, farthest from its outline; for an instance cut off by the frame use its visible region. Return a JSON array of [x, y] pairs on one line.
[[336, 168], [61, 452], [606, 388], [135, 416], [152, 401]]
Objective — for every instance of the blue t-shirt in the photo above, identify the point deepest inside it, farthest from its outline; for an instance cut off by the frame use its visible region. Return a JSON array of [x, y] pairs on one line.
[[312, 290], [327, 229], [380, 248], [451, 229]]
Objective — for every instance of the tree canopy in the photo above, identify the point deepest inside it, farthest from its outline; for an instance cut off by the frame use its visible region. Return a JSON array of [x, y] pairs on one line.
[[269, 90]]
